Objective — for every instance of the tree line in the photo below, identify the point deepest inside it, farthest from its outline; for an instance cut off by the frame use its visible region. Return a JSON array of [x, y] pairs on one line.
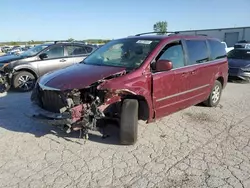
[[160, 26], [15, 43]]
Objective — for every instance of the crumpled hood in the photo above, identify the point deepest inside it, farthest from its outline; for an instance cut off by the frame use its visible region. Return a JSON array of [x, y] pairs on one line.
[[238, 63], [77, 76]]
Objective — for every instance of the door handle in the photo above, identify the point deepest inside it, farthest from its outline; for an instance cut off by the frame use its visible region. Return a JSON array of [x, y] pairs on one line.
[[62, 60]]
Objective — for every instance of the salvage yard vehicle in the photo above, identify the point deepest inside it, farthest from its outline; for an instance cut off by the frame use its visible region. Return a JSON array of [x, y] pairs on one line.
[[23, 70], [242, 44], [141, 77], [239, 63]]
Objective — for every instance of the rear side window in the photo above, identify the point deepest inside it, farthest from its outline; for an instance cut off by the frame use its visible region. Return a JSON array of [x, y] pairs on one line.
[[197, 51], [217, 49], [88, 49], [76, 50]]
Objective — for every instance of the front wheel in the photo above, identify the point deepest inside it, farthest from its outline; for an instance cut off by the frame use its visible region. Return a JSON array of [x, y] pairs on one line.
[[129, 122], [215, 95], [24, 81]]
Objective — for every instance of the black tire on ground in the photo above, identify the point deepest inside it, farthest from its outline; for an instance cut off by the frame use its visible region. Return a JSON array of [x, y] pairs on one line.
[[24, 81], [215, 95], [129, 122]]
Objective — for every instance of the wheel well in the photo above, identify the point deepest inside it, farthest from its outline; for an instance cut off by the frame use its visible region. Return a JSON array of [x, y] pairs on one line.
[[143, 106], [221, 80], [28, 70]]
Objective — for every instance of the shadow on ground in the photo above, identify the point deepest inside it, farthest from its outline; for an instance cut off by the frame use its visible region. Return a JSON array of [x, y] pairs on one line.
[[16, 116]]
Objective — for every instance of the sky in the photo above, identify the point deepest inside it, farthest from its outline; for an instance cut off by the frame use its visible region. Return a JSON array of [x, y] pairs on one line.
[[24, 20]]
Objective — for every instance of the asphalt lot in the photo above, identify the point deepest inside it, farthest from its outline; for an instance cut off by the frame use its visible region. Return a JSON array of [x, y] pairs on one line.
[[197, 147]]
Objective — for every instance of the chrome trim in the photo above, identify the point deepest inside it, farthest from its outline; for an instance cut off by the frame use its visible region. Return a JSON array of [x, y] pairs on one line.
[[217, 61], [174, 103], [181, 93], [43, 87]]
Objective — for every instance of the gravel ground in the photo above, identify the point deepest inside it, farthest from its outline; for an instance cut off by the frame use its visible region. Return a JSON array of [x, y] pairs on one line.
[[197, 147]]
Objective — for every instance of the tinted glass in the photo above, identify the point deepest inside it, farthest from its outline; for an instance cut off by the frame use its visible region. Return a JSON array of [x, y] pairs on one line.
[[217, 49], [197, 51], [88, 49], [54, 52], [239, 54], [76, 50], [174, 53], [129, 53], [34, 50]]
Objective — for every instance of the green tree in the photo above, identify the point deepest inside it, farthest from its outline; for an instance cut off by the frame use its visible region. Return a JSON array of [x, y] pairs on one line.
[[70, 39], [160, 26]]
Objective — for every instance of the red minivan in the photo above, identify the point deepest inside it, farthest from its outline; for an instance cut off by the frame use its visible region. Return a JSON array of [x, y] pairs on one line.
[[141, 77]]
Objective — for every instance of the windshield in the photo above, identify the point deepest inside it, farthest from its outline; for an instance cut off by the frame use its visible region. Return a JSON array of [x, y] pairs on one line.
[[239, 54], [129, 53], [33, 51]]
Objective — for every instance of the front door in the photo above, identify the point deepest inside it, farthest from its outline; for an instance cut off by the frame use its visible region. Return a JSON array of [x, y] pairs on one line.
[[168, 85], [56, 60]]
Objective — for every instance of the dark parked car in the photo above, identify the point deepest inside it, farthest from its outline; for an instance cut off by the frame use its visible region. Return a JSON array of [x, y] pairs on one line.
[[242, 44], [24, 69], [140, 77], [239, 63]]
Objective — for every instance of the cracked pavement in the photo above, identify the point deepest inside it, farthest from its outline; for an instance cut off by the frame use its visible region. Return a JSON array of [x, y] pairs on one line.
[[196, 147]]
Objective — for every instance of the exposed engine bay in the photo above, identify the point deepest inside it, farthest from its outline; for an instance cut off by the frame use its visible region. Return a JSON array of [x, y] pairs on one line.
[[87, 108]]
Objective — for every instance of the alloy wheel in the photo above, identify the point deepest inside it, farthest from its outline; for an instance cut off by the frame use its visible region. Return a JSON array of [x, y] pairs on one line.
[[25, 82], [216, 94]]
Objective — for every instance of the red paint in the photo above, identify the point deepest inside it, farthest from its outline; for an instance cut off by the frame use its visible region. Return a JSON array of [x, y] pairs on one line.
[[152, 87], [76, 112], [78, 76]]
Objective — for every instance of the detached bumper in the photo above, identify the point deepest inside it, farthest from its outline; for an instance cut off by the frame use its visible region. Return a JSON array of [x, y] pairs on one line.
[[55, 118]]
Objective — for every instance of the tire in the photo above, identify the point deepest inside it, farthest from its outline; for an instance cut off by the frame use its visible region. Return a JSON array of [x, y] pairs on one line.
[[129, 122], [215, 95], [24, 81]]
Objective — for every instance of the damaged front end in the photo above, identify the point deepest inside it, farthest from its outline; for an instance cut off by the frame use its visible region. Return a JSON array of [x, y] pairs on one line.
[[4, 82], [77, 109]]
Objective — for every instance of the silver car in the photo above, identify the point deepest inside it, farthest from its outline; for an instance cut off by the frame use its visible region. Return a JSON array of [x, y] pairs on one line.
[[26, 68]]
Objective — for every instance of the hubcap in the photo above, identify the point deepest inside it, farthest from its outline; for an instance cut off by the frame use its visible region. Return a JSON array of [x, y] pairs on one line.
[[25, 82], [216, 94]]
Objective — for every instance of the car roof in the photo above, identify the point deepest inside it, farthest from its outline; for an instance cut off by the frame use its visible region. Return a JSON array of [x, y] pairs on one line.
[[173, 36], [241, 49], [78, 43]]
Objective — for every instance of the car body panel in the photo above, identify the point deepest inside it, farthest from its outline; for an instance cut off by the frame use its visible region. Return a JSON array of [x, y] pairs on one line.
[[239, 68], [164, 92], [82, 74], [239, 64], [7, 58]]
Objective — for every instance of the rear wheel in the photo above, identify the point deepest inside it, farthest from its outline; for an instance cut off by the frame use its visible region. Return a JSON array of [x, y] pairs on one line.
[[215, 95], [24, 81], [129, 122]]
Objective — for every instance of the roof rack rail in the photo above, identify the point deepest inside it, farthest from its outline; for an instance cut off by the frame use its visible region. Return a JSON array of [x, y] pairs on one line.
[[74, 41], [154, 32], [202, 34]]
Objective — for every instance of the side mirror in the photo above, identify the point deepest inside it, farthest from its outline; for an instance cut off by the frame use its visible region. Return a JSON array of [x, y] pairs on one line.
[[163, 65], [43, 56]]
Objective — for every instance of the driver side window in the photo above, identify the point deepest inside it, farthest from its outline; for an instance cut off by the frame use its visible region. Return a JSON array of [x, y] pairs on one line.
[[55, 52], [174, 53]]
